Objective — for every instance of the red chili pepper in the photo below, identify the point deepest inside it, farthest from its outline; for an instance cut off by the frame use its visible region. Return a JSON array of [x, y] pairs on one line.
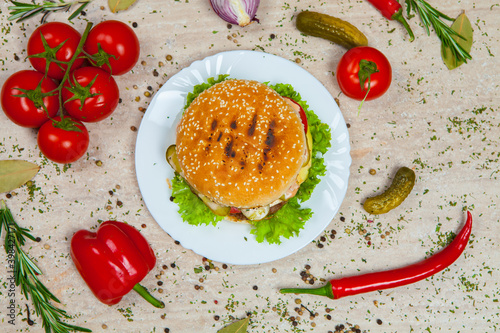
[[113, 261], [391, 10], [354, 285]]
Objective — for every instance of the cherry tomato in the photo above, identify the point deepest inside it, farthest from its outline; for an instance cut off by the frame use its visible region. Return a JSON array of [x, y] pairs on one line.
[[348, 70], [90, 94], [116, 39], [24, 95], [63, 141], [61, 44]]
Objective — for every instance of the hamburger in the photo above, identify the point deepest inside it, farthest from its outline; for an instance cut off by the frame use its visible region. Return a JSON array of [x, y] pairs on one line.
[[242, 153]]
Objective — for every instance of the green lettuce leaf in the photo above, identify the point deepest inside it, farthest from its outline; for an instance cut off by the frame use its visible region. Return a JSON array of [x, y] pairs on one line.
[[286, 222], [191, 208], [321, 135], [199, 88], [290, 219]]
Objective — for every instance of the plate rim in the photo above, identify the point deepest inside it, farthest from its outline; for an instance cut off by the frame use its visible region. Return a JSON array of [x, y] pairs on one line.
[[216, 59]]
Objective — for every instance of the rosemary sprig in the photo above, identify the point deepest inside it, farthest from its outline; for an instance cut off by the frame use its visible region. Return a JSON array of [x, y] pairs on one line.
[[26, 274], [432, 17], [21, 11]]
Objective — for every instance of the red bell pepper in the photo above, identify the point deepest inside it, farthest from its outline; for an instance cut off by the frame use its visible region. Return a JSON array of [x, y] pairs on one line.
[[113, 261]]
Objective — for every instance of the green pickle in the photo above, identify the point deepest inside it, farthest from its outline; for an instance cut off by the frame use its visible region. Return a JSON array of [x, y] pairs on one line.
[[401, 186], [330, 28]]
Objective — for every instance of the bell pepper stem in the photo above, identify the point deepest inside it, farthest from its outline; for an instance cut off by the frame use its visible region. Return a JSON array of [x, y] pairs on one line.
[[148, 297], [398, 16], [326, 290]]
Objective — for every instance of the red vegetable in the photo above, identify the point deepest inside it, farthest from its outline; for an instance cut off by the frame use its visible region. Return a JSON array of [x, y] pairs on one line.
[[63, 140], [354, 285], [90, 94], [29, 98], [113, 261], [364, 73], [113, 46], [391, 10], [51, 46]]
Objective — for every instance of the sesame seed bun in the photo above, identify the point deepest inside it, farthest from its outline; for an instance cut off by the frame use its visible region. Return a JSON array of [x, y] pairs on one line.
[[240, 144]]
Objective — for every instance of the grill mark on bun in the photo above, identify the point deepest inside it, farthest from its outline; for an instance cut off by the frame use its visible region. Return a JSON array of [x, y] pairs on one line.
[[240, 144], [270, 134], [251, 130], [229, 148]]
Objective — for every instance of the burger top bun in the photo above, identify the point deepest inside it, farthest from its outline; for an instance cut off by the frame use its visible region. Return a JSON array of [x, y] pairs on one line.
[[240, 144]]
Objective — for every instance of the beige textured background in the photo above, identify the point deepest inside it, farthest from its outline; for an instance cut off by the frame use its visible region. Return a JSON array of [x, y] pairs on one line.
[[442, 123]]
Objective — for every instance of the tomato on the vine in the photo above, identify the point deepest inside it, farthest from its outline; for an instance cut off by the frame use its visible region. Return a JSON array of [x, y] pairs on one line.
[[364, 73], [63, 140], [29, 99], [113, 46], [91, 94], [52, 44]]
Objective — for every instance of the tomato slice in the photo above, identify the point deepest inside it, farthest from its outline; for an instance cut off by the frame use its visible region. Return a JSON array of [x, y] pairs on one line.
[[296, 106], [234, 210]]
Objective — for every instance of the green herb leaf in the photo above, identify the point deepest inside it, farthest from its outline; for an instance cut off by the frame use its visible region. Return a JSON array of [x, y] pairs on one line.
[[286, 222], [15, 173], [463, 28], [191, 208], [239, 326], [117, 5]]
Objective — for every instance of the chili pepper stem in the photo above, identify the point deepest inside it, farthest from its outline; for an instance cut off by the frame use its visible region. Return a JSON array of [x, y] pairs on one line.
[[326, 290], [398, 16], [148, 297]]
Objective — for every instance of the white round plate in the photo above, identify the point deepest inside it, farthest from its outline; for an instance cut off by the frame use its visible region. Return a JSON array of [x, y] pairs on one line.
[[230, 242]]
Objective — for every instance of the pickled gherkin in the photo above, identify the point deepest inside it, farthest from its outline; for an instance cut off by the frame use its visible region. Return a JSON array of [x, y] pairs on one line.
[[401, 186], [330, 28]]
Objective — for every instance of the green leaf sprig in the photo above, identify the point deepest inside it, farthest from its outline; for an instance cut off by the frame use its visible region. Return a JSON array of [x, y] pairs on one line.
[[463, 27], [20, 11], [431, 17], [26, 274]]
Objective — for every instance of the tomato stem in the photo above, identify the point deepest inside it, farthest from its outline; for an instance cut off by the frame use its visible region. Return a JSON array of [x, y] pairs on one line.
[[79, 49], [148, 297], [366, 69]]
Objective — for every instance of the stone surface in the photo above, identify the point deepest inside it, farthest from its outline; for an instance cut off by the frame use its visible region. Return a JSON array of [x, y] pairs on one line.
[[443, 124]]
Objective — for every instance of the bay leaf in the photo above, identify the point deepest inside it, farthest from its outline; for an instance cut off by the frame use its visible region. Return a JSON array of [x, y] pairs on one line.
[[462, 26], [239, 326], [117, 5], [15, 173]]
